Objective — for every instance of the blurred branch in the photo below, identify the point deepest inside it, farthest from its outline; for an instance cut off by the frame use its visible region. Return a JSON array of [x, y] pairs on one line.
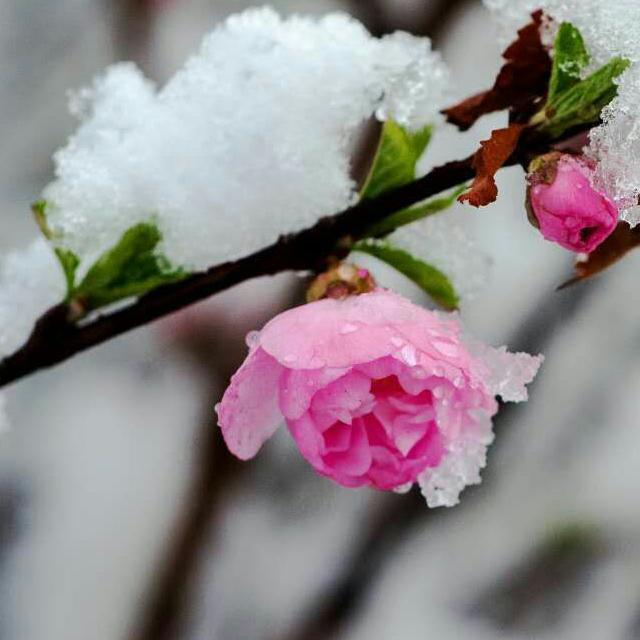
[[133, 23], [214, 471], [217, 355], [396, 518], [373, 14], [390, 524]]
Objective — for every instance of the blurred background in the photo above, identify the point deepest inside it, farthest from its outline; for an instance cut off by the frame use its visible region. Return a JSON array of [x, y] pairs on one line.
[[123, 517]]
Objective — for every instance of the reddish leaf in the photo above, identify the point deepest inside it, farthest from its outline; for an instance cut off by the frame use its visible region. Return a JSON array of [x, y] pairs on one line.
[[491, 156], [615, 247], [524, 77]]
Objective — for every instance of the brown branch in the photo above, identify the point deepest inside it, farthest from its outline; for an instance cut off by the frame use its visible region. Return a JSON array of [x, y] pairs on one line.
[[132, 25], [56, 339]]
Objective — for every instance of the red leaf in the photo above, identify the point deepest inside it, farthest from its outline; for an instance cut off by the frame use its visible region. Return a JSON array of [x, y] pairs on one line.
[[524, 77], [615, 247], [491, 156]]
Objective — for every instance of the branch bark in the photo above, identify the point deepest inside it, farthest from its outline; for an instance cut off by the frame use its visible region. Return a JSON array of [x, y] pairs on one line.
[[56, 338]]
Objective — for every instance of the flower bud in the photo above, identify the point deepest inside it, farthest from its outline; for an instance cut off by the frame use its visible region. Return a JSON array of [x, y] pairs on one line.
[[341, 281], [563, 203]]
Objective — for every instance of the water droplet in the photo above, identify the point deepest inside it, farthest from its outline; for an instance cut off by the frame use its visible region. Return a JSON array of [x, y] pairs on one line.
[[397, 341], [252, 339]]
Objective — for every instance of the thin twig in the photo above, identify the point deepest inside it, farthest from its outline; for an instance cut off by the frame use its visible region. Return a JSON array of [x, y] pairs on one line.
[[56, 339]]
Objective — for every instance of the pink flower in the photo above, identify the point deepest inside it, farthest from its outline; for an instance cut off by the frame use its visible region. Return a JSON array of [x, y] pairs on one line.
[[566, 206], [375, 391]]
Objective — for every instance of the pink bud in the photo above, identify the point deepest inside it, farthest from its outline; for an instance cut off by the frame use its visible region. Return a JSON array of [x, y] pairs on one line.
[[564, 204]]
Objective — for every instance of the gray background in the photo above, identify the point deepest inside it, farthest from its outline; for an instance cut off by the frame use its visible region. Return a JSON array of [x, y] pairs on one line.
[[122, 517]]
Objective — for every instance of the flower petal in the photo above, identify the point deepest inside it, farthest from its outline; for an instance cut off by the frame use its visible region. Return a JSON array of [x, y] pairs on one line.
[[341, 333], [298, 386], [248, 413]]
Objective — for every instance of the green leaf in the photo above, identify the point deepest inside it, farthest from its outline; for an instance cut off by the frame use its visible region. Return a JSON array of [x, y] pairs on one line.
[[129, 269], [39, 210], [426, 276], [68, 260], [583, 102], [395, 161], [413, 214], [569, 59]]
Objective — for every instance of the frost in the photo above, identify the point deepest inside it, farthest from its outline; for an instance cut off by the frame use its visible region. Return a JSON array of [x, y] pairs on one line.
[[610, 28], [460, 467], [505, 374], [31, 281], [249, 140], [444, 242]]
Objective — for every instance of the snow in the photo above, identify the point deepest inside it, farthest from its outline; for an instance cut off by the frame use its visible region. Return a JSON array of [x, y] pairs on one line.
[[249, 140]]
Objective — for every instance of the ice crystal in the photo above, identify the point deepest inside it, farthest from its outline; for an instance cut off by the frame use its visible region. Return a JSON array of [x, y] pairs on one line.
[[460, 467], [249, 140], [610, 29]]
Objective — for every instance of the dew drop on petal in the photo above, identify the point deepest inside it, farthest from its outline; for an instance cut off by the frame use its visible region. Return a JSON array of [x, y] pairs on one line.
[[252, 339]]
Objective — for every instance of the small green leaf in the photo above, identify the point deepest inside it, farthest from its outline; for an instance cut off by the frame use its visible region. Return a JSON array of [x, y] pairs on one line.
[[68, 260], [569, 59], [583, 102], [129, 269], [39, 209], [413, 214], [395, 161], [426, 276]]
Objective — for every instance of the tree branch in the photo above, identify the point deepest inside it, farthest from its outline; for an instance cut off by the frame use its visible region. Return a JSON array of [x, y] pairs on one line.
[[56, 338]]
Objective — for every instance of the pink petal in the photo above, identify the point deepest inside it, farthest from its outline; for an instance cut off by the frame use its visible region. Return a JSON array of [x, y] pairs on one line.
[[341, 333], [356, 459], [298, 386], [248, 413], [309, 440]]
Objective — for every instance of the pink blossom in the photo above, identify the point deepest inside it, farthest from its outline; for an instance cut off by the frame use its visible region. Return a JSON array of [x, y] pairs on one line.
[[566, 206], [375, 391]]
